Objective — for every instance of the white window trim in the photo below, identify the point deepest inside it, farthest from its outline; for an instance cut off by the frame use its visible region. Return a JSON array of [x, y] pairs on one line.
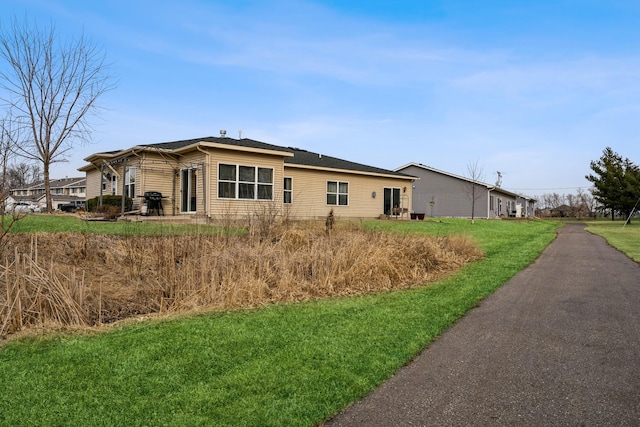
[[127, 181], [337, 193], [255, 183], [185, 198], [284, 191]]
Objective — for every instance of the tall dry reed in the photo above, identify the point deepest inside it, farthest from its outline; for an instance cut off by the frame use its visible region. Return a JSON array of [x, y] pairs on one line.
[[69, 279]]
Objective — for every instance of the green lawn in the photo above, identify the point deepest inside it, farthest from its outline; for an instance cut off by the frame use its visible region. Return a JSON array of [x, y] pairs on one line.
[[625, 239], [284, 365], [70, 224]]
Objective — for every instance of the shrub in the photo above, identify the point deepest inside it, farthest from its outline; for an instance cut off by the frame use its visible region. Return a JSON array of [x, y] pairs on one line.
[[109, 212], [110, 200]]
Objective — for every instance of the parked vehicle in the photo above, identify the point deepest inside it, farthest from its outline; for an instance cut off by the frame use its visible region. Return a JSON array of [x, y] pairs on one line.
[[19, 207], [72, 206]]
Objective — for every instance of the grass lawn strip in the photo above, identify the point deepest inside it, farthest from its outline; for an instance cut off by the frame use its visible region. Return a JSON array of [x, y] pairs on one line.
[[626, 239], [281, 365]]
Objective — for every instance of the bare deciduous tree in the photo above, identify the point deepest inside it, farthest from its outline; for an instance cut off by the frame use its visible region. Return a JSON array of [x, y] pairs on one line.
[[5, 155], [588, 201], [51, 87], [7, 142], [578, 205], [472, 188], [22, 174]]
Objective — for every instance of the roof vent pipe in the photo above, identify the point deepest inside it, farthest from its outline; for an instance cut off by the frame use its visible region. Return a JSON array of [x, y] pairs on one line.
[[223, 133]]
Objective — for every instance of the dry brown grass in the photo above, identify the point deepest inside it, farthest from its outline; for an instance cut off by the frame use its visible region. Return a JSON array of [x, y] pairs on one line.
[[61, 280]]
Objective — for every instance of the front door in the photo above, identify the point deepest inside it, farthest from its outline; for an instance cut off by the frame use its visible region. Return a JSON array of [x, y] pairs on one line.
[[391, 201]]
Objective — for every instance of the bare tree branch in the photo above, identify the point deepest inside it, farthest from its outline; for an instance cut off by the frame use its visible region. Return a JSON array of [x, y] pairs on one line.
[[52, 87]]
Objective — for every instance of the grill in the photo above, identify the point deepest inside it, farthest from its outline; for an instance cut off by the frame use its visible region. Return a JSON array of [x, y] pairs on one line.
[[153, 199]]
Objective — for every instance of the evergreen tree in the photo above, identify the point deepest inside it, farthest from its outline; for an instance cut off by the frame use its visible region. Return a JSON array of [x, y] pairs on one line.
[[630, 189], [616, 183]]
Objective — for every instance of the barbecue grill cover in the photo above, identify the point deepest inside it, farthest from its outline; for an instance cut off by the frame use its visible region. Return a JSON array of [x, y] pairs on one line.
[[153, 195]]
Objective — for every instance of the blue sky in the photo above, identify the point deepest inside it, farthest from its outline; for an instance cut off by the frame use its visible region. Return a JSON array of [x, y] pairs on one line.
[[534, 89]]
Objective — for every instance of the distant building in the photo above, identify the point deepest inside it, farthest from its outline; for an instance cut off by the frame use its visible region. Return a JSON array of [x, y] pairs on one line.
[[63, 191], [443, 194]]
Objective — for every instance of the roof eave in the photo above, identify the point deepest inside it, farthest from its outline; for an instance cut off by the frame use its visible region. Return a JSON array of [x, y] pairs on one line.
[[236, 148], [350, 171]]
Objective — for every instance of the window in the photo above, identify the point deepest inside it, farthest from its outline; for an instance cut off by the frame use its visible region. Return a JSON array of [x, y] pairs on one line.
[[245, 182], [130, 183], [288, 191], [227, 181], [112, 187], [337, 193]]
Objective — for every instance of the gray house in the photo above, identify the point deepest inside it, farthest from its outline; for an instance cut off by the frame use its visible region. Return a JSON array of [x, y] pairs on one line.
[[443, 194]]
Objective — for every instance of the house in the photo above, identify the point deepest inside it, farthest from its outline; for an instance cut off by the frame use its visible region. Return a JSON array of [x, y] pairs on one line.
[[439, 193], [63, 191], [214, 177]]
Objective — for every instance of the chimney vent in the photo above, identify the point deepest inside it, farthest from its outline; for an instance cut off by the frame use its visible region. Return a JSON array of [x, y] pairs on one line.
[[223, 133]]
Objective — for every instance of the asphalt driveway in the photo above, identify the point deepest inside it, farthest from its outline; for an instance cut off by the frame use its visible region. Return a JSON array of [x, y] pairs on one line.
[[559, 344]]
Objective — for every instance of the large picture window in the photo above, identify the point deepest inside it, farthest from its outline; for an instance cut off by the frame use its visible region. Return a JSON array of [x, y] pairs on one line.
[[337, 193], [245, 182]]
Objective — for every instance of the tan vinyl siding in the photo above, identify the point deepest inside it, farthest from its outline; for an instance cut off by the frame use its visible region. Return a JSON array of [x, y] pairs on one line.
[[310, 194], [158, 173], [93, 183]]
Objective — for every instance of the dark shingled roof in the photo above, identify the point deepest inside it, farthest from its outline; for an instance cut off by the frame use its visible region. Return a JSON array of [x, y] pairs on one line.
[[244, 142], [300, 157], [307, 158]]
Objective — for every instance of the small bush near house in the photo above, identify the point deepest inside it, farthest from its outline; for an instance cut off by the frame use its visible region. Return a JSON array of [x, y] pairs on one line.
[[108, 212], [109, 200]]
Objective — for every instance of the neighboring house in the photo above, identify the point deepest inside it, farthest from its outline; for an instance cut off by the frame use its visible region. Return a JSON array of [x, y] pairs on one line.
[[443, 194], [215, 177], [568, 211], [63, 191], [75, 187]]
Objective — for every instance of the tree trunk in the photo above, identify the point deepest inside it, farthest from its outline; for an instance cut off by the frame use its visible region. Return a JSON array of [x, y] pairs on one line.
[[47, 187]]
